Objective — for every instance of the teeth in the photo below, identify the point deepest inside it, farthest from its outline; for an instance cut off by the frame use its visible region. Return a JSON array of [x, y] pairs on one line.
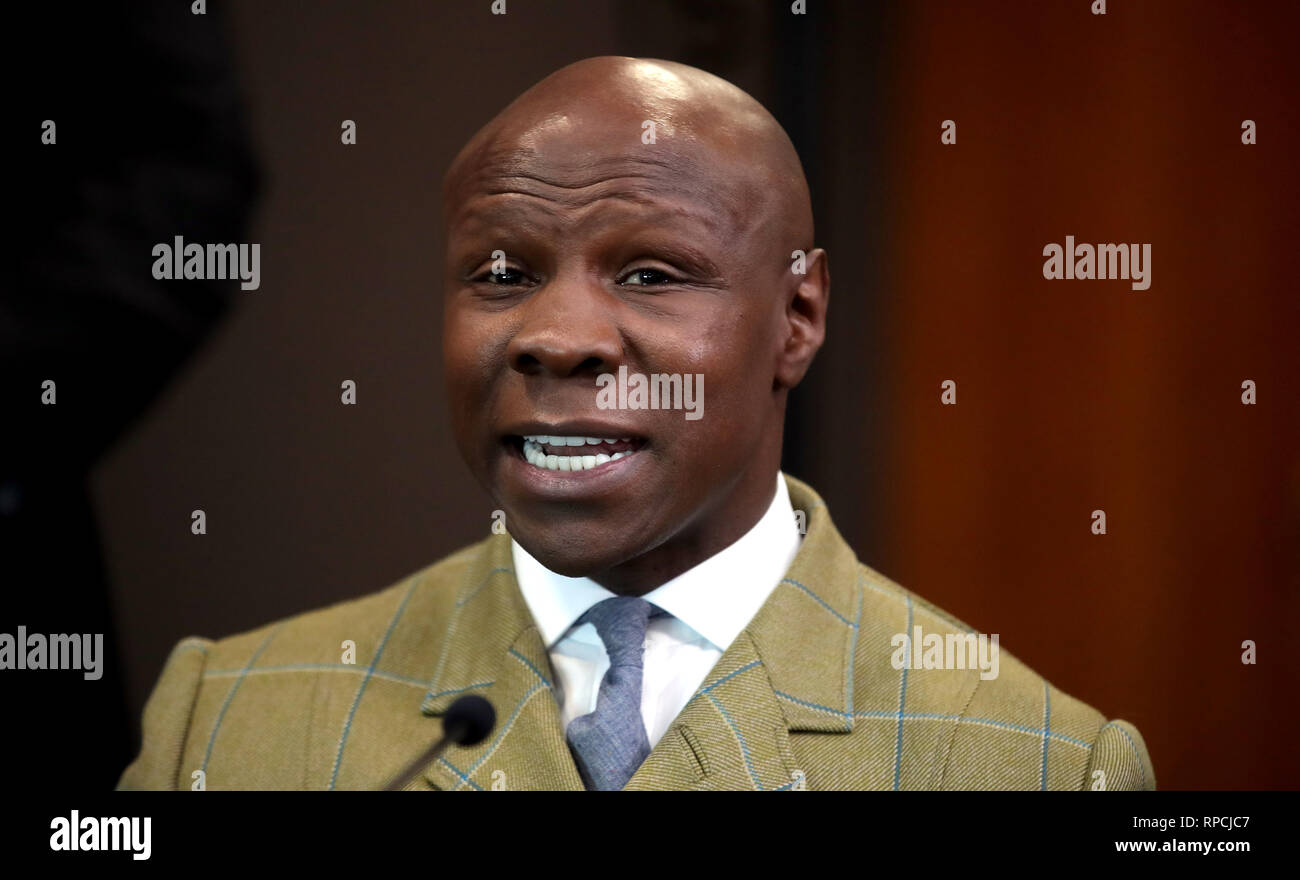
[[537, 458], [556, 440]]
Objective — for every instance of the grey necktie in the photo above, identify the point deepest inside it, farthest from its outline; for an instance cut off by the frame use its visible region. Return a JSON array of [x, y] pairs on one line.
[[610, 743]]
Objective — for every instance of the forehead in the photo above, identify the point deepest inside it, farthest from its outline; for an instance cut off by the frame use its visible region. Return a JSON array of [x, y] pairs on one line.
[[562, 171]]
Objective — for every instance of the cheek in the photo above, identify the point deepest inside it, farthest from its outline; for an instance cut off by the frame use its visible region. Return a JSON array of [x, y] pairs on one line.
[[731, 352], [736, 401], [470, 348]]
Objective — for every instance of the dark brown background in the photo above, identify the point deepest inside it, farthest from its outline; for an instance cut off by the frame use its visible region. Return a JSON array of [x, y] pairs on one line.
[[1072, 396]]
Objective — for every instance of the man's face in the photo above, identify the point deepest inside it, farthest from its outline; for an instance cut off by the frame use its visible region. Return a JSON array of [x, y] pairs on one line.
[[616, 253]]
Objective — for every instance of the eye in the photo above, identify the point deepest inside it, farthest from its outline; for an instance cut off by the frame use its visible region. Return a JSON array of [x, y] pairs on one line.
[[505, 278], [646, 277]]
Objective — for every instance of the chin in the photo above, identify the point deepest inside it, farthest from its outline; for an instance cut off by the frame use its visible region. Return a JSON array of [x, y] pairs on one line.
[[582, 556]]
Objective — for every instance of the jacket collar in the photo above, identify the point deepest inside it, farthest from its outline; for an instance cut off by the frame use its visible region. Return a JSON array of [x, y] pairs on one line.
[[790, 670]]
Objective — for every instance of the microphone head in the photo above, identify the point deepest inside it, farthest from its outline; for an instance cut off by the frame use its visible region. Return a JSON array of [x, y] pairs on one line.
[[469, 720]]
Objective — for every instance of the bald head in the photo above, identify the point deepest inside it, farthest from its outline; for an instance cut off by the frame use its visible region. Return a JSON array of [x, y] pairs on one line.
[[585, 119]]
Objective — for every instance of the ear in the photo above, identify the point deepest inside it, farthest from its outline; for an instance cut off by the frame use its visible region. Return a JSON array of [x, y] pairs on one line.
[[805, 319]]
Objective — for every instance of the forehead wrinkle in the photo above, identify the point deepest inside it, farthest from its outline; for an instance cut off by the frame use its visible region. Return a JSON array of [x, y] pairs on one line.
[[573, 173], [650, 178], [510, 178], [499, 208]]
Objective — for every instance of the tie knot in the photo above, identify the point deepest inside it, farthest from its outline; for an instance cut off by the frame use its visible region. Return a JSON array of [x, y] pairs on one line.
[[621, 622]]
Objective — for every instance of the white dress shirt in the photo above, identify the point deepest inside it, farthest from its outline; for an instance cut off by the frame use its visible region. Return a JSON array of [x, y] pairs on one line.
[[707, 607]]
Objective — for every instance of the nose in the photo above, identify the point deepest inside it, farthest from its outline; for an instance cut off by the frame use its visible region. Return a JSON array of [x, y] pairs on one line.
[[567, 330]]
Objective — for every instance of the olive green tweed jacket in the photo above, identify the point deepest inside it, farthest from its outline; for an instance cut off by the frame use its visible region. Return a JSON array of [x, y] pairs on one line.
[[806, 697]]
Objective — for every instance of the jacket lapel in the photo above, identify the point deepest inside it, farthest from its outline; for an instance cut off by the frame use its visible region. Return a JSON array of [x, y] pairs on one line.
[[731, 735], [790, 670], [493, 648]]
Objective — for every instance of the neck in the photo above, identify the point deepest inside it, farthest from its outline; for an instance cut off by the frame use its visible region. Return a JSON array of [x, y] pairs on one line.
[[711, 531]]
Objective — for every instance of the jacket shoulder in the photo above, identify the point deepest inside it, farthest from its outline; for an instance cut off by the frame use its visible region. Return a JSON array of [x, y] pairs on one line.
[[286, 672], [317, 635], [988, 720], [167, 718]]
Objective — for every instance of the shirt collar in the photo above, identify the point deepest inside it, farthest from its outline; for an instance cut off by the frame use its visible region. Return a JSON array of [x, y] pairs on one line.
[[716, 598]]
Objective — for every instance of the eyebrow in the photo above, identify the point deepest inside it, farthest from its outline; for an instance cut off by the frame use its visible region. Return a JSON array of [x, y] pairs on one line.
[[675, 245]]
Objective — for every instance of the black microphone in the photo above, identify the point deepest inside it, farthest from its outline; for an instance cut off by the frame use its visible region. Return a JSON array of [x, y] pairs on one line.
[[468, 721]]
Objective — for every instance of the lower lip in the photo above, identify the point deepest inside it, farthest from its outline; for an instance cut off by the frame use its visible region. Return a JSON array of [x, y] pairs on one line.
[[570, 484]]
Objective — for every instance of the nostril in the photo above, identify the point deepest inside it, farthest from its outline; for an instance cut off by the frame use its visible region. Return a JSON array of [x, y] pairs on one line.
[[526, 363], [561, 355], [532, 365]]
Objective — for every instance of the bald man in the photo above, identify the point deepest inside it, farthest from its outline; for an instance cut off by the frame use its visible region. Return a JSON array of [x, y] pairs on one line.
[[663, 609]]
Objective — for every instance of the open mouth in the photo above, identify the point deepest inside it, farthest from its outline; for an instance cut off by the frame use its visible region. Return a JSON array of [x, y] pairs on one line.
[[574, 453]]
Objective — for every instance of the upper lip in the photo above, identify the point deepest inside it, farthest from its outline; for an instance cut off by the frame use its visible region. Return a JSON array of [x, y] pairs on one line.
[[572, 428]]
